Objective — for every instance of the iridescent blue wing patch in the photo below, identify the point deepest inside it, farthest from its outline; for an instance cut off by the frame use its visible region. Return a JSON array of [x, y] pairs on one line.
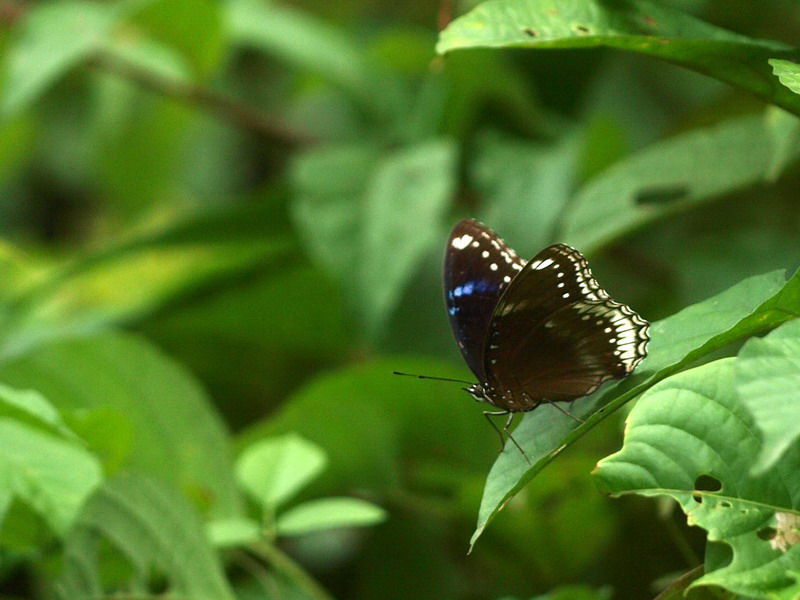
[[478, 267]]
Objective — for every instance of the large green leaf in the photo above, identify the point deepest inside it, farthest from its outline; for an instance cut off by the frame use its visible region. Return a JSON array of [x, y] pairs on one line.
[[691, 427], [55, 38], [370, 221], [768, 382], [177, 435], [634, 25], [52, 475], [154, 527], [676, 175], [754, 305]]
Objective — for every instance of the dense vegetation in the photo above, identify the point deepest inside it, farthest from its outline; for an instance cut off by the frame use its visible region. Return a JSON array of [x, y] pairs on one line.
[[222, 229]]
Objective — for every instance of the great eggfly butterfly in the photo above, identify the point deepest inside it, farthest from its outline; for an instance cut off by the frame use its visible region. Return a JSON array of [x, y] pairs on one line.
[[535, 332]]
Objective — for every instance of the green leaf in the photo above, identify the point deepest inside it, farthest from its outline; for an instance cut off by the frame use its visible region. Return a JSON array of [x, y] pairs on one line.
[[225, 533], [693, 426], [30, 407], [51, 475], [576, 592], [328, 513], [525, 187], [371, 221], [408, 194], [768, 383], [275, 469], [147, 271], [634, 25], [788, 73], [153, 526], [674, 175], [54, 38], [368, 422], [177, 435], [305, 42], [752, 306], [193, 27]]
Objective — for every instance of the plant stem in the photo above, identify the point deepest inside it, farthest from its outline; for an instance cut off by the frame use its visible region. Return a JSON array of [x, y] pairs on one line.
[[224, 106], [290, 569]]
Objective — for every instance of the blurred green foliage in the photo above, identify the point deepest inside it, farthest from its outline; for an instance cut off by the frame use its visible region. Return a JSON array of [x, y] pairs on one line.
[[222, 229]]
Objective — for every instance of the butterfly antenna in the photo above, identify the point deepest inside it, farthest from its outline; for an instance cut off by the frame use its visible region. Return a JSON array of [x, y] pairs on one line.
[[431, 377]]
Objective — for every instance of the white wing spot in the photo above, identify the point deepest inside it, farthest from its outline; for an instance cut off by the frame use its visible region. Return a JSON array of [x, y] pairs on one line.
[[485, 254], [565, 295], [493, 266], [462, 242], [561, 284], [475, 244], [507, 279], [560, 274], [543, 264]]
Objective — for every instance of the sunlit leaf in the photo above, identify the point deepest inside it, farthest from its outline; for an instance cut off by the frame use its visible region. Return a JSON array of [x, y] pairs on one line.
[[155, 394], [53, 476], [768, 383], [754, 305], [193, 27], [225, 533], [693, 427], [54, 39], [32, 408], [328, 513], [275, 469], [634, 25], [144, 272], [154, 528], [788, 72]]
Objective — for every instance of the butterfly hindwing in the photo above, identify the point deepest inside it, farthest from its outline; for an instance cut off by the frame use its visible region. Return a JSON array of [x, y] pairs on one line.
[[556, 335], [478, 267]]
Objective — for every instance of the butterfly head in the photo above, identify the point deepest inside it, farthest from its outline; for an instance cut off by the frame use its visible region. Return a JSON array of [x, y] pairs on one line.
[[480, 392]]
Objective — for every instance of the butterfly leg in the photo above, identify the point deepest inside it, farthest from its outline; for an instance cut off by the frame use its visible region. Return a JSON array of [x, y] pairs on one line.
[[566, 412], [489, 414]]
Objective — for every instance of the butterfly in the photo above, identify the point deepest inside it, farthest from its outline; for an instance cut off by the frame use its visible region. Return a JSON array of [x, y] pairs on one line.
[[535, 332]]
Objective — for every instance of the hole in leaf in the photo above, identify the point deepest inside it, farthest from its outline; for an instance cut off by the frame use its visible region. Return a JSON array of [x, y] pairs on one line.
[[697, 498], [718, 554], [661, 195], [582, 29], [530, 32], [725, 504], [766, 533], [707, 483]]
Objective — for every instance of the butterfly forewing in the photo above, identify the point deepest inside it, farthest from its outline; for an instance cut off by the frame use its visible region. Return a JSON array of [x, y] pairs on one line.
[[556, 335], [478, 267]]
